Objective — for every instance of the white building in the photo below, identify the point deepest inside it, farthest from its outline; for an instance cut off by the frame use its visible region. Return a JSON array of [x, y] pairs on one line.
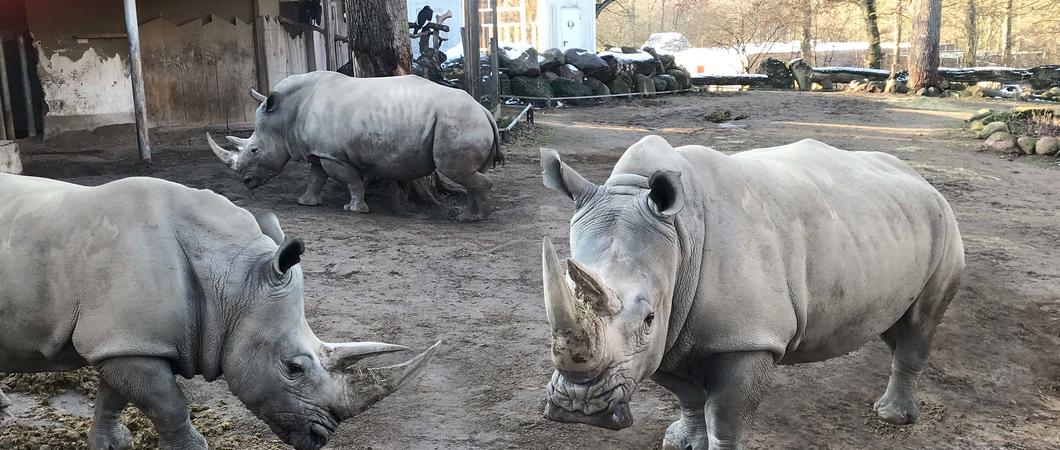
[[566, 24]]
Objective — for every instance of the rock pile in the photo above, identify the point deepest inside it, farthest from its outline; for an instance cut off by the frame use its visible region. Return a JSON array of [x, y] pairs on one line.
[[1029, 130], [577, 73]]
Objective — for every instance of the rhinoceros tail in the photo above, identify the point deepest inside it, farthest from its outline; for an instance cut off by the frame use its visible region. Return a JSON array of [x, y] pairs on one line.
[[496, 157]]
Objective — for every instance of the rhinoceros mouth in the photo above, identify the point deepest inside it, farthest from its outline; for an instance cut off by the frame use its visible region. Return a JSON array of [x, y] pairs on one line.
[[301, 438], [602, 402]]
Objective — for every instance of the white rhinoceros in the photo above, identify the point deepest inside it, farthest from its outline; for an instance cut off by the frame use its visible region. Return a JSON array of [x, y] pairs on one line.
[[145, 279], [394, 128], [705, 271]]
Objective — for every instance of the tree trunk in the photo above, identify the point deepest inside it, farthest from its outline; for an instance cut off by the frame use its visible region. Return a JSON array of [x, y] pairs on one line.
[[897, 56], [874, 59], [924, 54], [382, 47], [380, 34], [807, 32], [1006, 36], [972, 35]]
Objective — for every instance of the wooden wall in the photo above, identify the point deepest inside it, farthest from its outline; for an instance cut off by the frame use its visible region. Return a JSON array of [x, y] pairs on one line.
[[198, 73]]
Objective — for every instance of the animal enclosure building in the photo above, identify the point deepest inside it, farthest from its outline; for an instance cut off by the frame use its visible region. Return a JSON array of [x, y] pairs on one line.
[[199, 58]]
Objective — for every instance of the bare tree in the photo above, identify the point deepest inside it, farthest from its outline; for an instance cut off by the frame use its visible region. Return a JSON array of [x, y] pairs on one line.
[[1006, 35], [806, 47], [895, 65], [601, 5], [971, 34], [924, 54], [380, 38], [874, 58], [752, 25]]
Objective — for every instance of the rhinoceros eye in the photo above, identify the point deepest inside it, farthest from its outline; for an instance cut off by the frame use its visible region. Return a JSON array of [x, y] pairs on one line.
[[254, 150], [649, 319], [294, 368]]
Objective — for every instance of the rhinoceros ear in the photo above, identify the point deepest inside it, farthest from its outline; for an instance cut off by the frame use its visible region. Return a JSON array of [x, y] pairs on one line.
[[289, 254], [271, 102], [270, 226], [666, 195], [561, 178]]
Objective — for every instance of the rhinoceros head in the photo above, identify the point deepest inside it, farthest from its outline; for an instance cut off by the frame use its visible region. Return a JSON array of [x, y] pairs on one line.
[[609, 309], [299, 385], [263, 155]]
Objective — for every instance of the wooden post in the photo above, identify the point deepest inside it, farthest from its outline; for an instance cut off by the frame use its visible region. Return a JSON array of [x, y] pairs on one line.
[[5, 93], [495, 70], [136, 72], [329, 33], [261, 62], [27, 94], [471, 46], [310, 38], [349, 33]]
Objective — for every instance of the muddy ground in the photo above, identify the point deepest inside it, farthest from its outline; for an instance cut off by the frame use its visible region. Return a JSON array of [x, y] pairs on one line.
[[417, 276]]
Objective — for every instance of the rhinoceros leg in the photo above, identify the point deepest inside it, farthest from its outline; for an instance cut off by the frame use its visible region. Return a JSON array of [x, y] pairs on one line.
[[735, 384], [353, 179], [478, 188], [690, 432], [107, 431], [910, 341], [317, 178], [148, 384]]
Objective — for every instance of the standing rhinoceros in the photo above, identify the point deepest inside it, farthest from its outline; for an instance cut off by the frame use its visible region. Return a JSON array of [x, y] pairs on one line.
[[146, 279], [705, 271], [394, 128]]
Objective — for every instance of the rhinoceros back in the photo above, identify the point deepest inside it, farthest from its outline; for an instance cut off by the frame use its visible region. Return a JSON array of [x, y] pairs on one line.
[[96, 272]]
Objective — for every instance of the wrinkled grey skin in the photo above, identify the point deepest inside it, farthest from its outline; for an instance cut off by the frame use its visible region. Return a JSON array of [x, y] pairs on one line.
[[394, 128], [705, 271], [146, 279]]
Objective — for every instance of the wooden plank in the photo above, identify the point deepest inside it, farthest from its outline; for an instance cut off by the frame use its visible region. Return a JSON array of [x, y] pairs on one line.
[[245, 43], [730, 80], [194, 95], [5, 92], [23, 63]]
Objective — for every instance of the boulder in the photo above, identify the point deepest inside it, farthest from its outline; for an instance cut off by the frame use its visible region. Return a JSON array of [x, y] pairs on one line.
[[453, 69], [570, 72], [982, 113], [520, 62], [531, 87], [565, 87], [660, 84], [1026, 143], [1001, 142], [505, 84], [621, 84], [10, 162], [684, 80], [613, 66], [668, 61], [671, 82], [1047, 145], [598, 87], [551, 59], [645, 85], [802, 73], [976, 125], [779, 74], [590, 64], [991, 128], [626, 49], [549, 76]]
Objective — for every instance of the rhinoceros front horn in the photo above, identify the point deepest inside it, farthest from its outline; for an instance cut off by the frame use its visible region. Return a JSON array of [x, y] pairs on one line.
[[226, 156], [367, 386], [576, 346]]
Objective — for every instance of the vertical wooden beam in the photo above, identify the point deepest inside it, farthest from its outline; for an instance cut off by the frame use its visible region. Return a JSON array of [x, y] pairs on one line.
[[136, 72], [27, 94], [261, 61], [329, 33], [310, 38], [5, 93], [349, 32], [472, 35], [495, 70]]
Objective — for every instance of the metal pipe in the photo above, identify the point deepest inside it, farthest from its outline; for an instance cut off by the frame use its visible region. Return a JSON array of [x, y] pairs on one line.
[[27, 94], [136, 72]]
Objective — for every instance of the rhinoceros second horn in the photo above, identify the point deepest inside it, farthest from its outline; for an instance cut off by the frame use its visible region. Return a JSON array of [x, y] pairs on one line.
[[575, 338]]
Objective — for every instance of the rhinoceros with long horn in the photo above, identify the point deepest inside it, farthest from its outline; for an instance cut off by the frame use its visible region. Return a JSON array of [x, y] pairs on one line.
[[145, 279], [394, 128], [704, 271]]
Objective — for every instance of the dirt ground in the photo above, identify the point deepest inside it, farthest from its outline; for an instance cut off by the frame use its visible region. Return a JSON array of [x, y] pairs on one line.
[[417, 276]]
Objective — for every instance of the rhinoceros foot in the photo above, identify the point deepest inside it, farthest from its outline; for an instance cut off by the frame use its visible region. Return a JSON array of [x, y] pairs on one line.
[[896, 411], [187, 439], [356, 205], [113, 438], [308, 199], [476, 216], [685, 435]]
